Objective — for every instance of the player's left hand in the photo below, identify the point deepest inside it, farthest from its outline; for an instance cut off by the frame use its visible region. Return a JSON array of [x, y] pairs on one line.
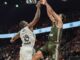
[[43, 2]]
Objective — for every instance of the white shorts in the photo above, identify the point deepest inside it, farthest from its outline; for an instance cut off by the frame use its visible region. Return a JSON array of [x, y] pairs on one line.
[[26, 53]]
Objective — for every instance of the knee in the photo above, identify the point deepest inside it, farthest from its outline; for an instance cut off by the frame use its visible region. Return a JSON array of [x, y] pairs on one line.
[[37, 55]]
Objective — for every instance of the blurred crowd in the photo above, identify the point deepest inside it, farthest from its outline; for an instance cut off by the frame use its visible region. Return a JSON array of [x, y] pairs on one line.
[[69, 46], [9, 52]]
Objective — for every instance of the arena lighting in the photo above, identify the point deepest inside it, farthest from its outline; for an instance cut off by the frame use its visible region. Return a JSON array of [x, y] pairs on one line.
[[5, 3], [17, 5], [43, 30]]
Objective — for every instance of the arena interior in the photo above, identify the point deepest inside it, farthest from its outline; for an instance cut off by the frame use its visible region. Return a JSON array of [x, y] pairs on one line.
[[13, 11]]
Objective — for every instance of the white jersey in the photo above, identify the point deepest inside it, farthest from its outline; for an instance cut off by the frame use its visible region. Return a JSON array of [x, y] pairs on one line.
[[27, 36]]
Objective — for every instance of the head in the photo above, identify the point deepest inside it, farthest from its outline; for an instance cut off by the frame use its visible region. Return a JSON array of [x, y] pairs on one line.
[[23, 24]]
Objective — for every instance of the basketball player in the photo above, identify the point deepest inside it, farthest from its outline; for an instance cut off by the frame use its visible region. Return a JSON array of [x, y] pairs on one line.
[[27, 36], [49, 49]]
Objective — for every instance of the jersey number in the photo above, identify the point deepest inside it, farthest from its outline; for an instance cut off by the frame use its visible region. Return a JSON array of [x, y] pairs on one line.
[[26, 39]]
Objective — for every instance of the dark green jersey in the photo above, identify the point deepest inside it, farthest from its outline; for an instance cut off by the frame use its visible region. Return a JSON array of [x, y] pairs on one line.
[[54, 37], [53, 34], [49, 47]]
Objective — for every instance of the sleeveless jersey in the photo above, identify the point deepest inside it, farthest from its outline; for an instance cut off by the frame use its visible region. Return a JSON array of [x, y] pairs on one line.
[[27, 36], [49, 48]]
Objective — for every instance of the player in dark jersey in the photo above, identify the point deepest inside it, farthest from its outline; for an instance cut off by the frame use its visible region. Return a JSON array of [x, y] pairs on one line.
[[50, 49]]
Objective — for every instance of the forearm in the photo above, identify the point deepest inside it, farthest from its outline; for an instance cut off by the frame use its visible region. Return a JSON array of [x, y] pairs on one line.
[[50, 16], [37, 15], [52, 12], [36, 18], [14, 38]]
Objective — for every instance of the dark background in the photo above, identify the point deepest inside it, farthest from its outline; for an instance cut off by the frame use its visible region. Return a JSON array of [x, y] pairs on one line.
[[10, 16]]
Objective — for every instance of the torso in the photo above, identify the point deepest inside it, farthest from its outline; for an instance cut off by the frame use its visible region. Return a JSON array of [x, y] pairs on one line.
[[27, 36]]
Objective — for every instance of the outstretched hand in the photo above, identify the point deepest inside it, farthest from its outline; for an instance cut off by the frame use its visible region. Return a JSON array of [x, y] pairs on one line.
[[43, 2]]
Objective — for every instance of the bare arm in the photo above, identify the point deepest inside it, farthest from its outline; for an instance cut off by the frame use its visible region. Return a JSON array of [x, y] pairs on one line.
[[15, 37], [58, 22], [52, 12], [50, 16], [37, 16]]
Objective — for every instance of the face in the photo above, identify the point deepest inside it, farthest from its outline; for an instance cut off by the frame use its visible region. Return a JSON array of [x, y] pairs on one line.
[[23, 24]]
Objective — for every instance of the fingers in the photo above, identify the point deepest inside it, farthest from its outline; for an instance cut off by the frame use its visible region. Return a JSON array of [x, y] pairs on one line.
[[43, 2]]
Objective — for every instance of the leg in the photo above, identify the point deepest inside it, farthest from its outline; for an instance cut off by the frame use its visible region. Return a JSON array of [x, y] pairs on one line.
[[26, 53], [21, 57], [37, 55]]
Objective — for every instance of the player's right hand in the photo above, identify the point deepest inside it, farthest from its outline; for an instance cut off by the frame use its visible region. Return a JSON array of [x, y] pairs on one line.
[[43, 2]]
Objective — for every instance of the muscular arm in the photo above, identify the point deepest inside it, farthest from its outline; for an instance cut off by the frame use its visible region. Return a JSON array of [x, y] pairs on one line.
[[15, 37], [36, 18], [52, 14]]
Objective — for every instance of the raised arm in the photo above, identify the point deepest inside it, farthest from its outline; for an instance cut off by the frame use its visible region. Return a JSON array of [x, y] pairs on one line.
[[15, 37], [37, 16], [52, 14], [58, 18], [54, 17]]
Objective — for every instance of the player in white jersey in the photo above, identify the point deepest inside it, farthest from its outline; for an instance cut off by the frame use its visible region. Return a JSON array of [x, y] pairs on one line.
[[27, 36]]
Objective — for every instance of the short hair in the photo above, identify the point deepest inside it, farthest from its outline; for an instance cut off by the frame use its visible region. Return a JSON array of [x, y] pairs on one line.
[[22, 23]]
